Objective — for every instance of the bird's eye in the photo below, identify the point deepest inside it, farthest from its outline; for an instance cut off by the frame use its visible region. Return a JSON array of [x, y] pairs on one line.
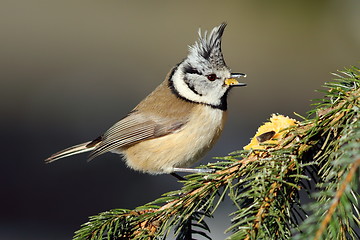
[[211, 77]]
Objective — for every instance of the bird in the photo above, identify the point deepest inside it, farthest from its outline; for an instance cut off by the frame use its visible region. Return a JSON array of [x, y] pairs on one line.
[[177, 123]]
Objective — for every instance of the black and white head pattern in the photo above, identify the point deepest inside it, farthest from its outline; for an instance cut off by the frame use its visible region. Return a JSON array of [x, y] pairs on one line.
[[200, 77]]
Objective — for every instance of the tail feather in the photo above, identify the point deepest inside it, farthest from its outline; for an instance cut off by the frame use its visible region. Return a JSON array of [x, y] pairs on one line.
[[81, 148]]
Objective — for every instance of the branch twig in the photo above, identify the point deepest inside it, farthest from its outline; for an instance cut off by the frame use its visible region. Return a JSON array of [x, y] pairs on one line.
[[336, 199]]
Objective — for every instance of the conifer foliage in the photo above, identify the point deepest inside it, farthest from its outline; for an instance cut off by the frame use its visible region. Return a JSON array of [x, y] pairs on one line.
[[318, 158]]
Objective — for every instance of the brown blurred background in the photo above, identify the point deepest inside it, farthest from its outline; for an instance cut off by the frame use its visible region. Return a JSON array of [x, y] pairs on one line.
[[70, 69]]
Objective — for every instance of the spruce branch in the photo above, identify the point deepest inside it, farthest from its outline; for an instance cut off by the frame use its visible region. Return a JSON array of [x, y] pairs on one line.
[[336, 200], [264, 182]]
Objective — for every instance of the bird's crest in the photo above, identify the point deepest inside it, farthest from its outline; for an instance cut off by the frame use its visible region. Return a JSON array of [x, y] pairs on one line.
[[208, 47]]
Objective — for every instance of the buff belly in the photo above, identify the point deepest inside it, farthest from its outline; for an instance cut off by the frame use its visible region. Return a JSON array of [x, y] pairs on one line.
[[179, 149]]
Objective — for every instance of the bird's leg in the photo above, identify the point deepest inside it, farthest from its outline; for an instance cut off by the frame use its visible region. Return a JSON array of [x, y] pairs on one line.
[[194, 170], [189, 170]]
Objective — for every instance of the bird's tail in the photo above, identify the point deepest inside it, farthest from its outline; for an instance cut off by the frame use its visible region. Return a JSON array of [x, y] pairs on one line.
[[81, 148]]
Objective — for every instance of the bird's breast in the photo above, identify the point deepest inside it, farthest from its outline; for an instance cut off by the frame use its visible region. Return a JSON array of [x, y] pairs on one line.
[[179, 149]]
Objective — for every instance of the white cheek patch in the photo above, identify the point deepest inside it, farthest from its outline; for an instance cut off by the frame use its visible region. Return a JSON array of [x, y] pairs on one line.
[[185, 91]]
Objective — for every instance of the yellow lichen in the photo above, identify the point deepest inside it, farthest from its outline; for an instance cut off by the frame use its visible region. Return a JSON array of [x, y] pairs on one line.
[[270, 132]]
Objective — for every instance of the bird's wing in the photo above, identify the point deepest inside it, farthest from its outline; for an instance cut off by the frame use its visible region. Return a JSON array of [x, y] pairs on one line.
[[134, 128]]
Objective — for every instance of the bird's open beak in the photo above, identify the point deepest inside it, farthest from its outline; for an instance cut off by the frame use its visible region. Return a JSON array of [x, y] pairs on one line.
[[233, 82]]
